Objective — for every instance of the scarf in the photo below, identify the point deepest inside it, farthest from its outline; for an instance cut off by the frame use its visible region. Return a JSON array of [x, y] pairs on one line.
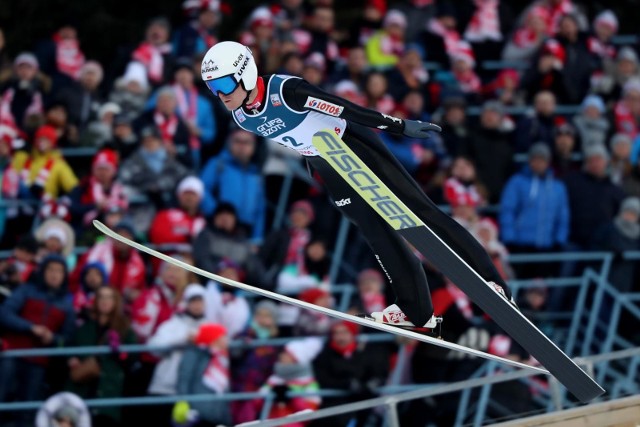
[[10, 183], [166, 125], [630, 230], [34, 108], [601, 49], [556, 12], [155, 159], [208, 38], [187, 100], [131, 274], [485, 22], [43, 174], [391, 45], [469, 82], [295, 251], [457, 192], [624, 120], [97, 195], [151, 57], [346, 351], [69, 57], [216, 374], [451, 38]]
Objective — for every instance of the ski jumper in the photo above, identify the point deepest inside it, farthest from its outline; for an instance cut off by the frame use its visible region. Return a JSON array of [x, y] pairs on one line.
[[292, 111]]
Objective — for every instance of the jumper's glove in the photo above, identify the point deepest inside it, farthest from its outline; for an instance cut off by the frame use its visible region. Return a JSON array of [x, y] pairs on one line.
[[418, 129]]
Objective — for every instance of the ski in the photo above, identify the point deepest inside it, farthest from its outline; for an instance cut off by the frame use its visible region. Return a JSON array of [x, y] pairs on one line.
[[383, 201], [302, 304]]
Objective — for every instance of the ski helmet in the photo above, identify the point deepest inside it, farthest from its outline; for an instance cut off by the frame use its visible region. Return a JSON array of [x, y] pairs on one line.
[[228, 64]]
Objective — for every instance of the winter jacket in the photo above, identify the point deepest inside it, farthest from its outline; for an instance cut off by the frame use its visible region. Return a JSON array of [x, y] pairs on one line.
[[532, 129], [409, 150], [578, 66], [135, 173], [175, 332], [175, 226], [180, 137], [609, 238], [593, 202], [113, 366], [190, 372], [492, 151], [152, 308], [229, 309], [375, 49], [36, 304], [226, 180], [61, 178], [534, 211], [592, 132]]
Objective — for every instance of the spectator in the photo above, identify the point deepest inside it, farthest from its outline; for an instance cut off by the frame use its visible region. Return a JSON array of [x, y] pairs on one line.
[[130, 91], [82, 99], [554, 11], [251, 366], [233, 177], [368, 23], [592, 183], [418, 12], [534, 214], [156, 304], [385, 47], [344, 365], [619, 235], [45, 170], [99, 132], [529, 37], [21, 101], [103, 375], [565, 151], [295, 278], [195, 110], [579, 63], [12, 187], [376, 92], [591, 124], [370, 296], [155, 51], [196, 36], [61, 56], [98, 192], [547, 74], [152, 170], [441, 36], [92, 277], [455, 129], [538, 126], [626, 111], [465, 79], [56, 237], [621, 165], [408, 74], [261, 38], [463, 187], [293, 373], [311, 322], [63, 409], [316, 36], [124, 141], [37, 314], [222, 238], [616, 74], [291, 64], [486, 232], [124, 265], [225, 304], [56, 115], [183, 223], [171, 127], [505, 88], [285, 247], [487, 24], [491, 149], [605, 27], [287, 14], [204, 369], [179, 330], [17, 269], [355, 68], [314, 69], [348, 90]]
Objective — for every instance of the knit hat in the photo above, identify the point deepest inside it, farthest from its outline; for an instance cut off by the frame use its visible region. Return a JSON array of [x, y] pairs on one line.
[[395, 17], [109, 107], [619, 138], [493, 105], [125, 226], [208, 333], [93, 66], [312, 295], [352, 327], [564, 129], [304, 206], [26, 58], [69, 413], [136, 72], [304, 350], [225, 207], [627, 53], [316, 60], [57, 233], [105, 157], [191, 183], [608, 18], [261, 16], [596, 150], [593, 101], [193, 290], [48, 132], [631, 204], [228, 263], [269, 306], [540, 149], [464, 52]]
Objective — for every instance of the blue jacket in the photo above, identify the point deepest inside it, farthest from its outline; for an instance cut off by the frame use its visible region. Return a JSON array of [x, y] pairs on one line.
[[226, 180], [534, 211], [403, 148]]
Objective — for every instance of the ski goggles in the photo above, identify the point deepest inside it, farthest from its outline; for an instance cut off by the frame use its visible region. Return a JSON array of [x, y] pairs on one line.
[[225, 85]]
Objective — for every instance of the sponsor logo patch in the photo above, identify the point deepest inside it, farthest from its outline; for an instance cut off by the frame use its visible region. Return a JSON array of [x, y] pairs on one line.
[[271, 126], [343, 202], [323, 106], [240, 116], [275, 100], [209, 67]]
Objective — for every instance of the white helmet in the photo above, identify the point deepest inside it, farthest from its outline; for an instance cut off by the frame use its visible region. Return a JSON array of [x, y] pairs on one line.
[[228, 64]]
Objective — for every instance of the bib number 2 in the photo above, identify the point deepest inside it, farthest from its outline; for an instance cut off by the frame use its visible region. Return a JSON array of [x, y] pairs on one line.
[[291, 141]]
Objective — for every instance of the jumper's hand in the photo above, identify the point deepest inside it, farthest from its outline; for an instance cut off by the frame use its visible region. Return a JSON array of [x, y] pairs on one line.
[[418, 129]]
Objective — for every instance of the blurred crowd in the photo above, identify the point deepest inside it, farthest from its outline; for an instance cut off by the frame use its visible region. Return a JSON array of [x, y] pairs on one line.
[[551, 137]]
